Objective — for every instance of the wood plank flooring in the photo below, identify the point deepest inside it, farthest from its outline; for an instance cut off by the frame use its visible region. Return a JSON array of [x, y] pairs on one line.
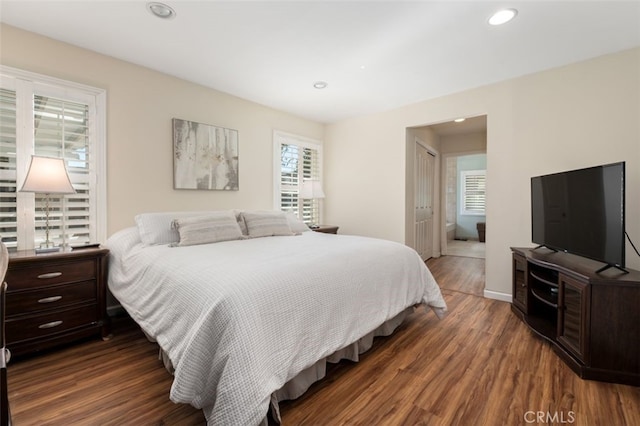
[[478, 366], [462, 274]]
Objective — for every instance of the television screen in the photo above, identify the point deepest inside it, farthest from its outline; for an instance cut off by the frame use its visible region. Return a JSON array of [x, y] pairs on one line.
[[581, 212]]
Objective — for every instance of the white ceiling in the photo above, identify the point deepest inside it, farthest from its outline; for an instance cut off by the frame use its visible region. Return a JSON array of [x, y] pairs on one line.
[[374, 55], [470, 125]]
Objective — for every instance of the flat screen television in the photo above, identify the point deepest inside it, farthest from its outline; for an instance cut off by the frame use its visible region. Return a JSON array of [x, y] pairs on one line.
[[581, 212]]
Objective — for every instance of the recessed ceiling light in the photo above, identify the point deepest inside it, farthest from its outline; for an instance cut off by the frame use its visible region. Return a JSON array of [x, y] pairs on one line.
[[502, 16], [320, 84], [161, 10], [459, 120]]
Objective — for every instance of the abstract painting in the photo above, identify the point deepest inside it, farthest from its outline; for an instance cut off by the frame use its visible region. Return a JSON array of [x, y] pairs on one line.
[[204, 156]]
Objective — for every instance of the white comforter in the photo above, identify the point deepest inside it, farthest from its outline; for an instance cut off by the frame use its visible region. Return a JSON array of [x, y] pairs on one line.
[[239, 319]]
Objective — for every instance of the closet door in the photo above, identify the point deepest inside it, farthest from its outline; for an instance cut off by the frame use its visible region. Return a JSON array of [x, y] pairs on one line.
[[424, 183]]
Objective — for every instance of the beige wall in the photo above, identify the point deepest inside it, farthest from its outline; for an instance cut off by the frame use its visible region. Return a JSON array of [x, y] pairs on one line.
[[140, 106], [575, 116]]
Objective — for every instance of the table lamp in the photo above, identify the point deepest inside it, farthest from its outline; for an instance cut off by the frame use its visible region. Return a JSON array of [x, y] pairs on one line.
[[311, 189], [47, 176]]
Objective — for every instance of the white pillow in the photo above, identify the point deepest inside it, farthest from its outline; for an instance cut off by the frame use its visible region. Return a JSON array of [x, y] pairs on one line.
[[266, 224], [296, 224], [212, 228], [155, 228]]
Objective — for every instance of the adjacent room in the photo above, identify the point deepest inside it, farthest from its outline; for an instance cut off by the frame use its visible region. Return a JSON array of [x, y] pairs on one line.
[[319, 212]]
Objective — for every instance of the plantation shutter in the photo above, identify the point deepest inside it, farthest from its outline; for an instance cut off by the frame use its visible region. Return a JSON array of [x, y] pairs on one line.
[[298, 160], [8, 203], [48, 117], [61, 130], [474, 184], [289, 177], [310, 212]]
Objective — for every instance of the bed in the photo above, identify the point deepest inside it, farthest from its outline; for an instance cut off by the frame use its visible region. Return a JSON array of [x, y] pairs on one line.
[[247, 307]]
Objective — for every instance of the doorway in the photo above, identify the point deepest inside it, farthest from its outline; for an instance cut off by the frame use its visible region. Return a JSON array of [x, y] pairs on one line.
[[448, 140], [464, 203]]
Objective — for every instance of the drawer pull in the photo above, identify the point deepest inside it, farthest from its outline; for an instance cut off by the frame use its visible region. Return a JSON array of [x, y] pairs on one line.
[[50, 299], [50, 324], [49, 275]]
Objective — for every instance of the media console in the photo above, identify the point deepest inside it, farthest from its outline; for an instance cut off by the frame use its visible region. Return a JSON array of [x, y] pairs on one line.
[[591, 319]]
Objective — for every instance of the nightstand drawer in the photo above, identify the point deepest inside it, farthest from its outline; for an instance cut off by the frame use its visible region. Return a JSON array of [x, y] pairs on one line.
[[55, 298], [39, 275], [47, 324], [50, 297]]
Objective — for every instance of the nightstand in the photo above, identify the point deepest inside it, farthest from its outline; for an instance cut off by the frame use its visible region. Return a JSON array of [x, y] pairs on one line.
[[326, 229], [55, 298]]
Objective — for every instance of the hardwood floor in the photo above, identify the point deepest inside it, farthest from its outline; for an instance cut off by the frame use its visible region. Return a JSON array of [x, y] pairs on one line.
[[467, 248], [117, 382], [480, 365], [463, 274]]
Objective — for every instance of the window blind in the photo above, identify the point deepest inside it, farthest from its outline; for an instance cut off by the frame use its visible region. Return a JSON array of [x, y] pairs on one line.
[[8, 203], [298, 160], [474, 189], [49, 117], [61, 130]]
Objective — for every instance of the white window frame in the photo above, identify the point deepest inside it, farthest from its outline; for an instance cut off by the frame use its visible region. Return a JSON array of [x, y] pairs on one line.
[[280, 138], [26, 84], [464, 191]]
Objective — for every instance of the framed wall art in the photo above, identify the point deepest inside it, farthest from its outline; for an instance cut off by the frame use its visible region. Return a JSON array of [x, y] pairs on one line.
[[204, 156]]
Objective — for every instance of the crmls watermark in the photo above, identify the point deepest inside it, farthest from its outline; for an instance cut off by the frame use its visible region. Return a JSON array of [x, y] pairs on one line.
[[548, 417]]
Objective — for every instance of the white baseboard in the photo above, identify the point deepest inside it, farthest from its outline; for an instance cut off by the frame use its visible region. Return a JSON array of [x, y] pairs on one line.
[[504, 297]]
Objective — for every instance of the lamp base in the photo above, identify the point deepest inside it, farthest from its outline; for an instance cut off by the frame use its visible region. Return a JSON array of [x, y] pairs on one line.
[[47, 250]]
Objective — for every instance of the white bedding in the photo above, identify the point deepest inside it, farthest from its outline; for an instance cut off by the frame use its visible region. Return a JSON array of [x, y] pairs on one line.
[[238, 319]]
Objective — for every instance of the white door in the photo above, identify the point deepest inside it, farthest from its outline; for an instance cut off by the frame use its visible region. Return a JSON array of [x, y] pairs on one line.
[[424, 179]]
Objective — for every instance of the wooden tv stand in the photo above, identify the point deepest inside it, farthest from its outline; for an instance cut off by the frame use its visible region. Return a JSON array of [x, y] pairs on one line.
[[591, 319]]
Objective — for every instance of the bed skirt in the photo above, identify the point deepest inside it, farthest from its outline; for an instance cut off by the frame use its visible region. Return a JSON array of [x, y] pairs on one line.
[[297, 386]]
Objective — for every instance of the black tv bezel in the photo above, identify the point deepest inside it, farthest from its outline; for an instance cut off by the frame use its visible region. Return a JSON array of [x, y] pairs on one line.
[[621, 265]]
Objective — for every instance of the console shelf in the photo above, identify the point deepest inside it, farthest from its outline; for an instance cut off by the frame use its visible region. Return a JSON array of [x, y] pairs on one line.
[[591, 319], [547, 299]]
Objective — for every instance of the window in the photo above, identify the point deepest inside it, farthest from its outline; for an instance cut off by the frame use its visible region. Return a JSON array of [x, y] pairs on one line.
[[296, 159], [40, 115], [473, 192]]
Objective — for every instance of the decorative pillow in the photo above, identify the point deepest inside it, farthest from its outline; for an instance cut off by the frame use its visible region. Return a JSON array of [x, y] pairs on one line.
[[155, 228], [213, 228], [243, 226], [296, 224], [266, 224]]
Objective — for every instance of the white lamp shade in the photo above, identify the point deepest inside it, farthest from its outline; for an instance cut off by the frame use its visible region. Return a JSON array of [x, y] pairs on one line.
[[48, 176], [311, 189]]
